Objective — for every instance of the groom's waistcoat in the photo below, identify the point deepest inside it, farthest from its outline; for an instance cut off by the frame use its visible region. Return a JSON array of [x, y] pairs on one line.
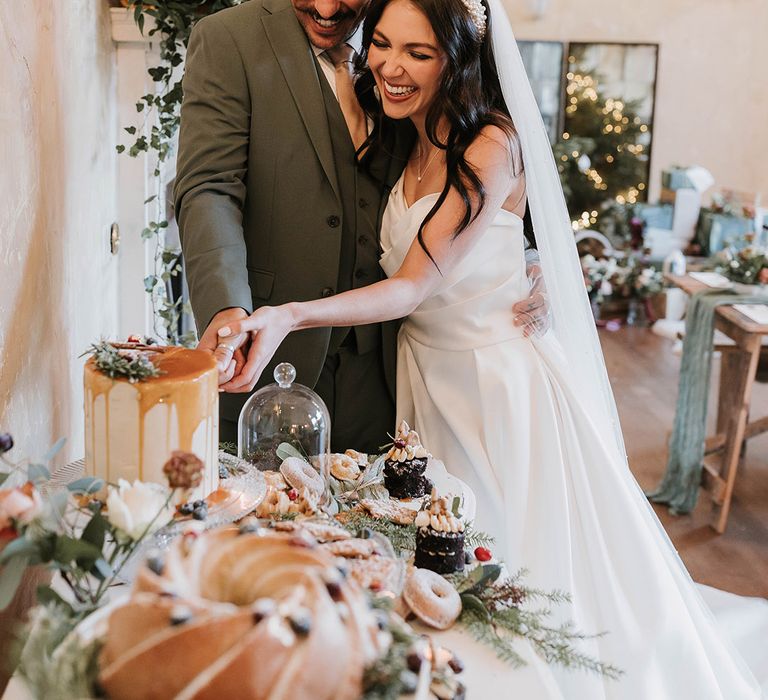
[[360, 202]]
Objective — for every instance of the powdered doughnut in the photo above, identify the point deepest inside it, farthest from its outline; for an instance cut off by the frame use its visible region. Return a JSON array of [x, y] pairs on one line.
[[432, 598], [302, 475]]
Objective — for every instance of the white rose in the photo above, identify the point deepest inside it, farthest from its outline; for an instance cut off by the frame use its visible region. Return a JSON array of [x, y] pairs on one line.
[[131, 508]]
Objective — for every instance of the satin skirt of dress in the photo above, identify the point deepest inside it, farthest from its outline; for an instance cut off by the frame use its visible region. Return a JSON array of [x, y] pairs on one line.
[[505, 419]]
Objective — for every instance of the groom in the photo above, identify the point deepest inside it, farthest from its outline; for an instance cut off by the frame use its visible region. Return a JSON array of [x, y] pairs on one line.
[[271, 207]]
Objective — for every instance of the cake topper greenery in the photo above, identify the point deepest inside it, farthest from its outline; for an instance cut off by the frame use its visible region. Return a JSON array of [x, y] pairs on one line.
[[124, 360]]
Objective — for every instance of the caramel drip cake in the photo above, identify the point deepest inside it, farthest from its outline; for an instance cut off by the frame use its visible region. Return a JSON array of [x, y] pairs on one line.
[[133, 425]]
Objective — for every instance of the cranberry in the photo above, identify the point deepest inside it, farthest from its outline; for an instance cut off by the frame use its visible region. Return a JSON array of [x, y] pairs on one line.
[[483, 554], [134, 339], [293, 494]]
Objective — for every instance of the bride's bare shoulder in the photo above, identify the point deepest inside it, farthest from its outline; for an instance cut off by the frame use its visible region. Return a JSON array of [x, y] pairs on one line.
[[495, 146]]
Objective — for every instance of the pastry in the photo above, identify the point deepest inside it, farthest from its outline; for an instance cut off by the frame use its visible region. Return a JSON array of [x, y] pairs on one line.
[[439, 537]]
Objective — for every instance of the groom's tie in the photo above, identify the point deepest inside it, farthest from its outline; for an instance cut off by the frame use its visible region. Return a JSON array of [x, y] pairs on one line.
[[342, 58]]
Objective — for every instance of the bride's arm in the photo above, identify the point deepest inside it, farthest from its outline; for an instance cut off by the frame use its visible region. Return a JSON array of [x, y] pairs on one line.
[[400, 294]]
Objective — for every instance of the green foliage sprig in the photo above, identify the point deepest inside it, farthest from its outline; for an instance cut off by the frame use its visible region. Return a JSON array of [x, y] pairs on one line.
[[498, 611], [133, 366], [172, 22]]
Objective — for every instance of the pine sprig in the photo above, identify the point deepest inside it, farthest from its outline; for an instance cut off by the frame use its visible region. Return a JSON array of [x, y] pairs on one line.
[[495, 613], [131, 365], [402, 537]]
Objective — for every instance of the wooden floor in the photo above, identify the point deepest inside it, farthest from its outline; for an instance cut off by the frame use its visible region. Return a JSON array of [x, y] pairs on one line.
[[644, 374]]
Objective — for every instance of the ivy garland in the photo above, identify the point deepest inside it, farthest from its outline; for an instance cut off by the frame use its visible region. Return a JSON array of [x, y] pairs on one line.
[[161, 109]]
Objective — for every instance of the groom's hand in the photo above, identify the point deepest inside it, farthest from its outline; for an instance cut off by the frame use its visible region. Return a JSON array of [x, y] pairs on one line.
[[533, 313], [230, 353]]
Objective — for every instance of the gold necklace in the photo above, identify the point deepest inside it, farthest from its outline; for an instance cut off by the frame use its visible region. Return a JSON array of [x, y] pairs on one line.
[[420, 174]]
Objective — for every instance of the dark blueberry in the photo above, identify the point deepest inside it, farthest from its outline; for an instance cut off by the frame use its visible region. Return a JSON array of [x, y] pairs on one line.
[[456, 664], [199, 503], [186, 508], [155, 563], [6, 442], [180, 614], [414, 661], [409, 681], [334, 590], [247, 528], [200, 513], [467, 557], [343, 570], [223, 473], [301, 623], [149, 340], [365, 534]]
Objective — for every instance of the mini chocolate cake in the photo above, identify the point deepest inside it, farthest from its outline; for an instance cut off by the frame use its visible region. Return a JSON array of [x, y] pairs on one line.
[[405, 466], [439, 538]]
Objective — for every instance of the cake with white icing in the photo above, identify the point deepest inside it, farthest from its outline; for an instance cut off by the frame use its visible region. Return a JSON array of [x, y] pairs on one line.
[[136, 418]]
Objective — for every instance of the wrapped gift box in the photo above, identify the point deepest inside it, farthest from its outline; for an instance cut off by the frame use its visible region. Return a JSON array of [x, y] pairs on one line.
[[676, 179], [715, 231], [655, 215]]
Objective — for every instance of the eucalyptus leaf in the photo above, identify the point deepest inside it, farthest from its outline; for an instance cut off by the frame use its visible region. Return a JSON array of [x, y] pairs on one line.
[[285, 450], [21, 546], [38, 472], [95, 531], [47, 596], [473, 604], [10, 578], [55, 449], [69, 549], [86, 485]]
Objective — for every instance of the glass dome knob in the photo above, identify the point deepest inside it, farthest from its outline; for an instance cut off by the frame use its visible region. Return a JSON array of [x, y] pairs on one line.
[[285, 375]]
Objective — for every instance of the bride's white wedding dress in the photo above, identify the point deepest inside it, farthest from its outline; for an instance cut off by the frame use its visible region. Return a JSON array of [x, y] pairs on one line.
[[500, 411]]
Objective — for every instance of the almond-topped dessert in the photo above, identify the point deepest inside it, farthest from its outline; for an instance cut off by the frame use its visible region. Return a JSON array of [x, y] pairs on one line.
[[439, 537], [405, 466]]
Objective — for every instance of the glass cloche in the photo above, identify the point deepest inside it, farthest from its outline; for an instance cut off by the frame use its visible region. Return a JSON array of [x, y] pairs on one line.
[[283, 412]]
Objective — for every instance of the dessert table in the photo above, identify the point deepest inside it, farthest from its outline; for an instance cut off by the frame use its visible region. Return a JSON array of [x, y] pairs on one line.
[[738, 368]]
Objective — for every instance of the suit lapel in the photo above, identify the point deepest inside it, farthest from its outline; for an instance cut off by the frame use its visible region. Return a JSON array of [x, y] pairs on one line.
[[297, 63]]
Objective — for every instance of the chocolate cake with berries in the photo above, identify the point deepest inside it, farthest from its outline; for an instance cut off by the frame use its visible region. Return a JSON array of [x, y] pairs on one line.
[[405, 465], [439, 537]]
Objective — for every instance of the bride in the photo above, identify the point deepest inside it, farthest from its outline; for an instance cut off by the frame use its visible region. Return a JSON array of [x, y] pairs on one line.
[[528, 422]]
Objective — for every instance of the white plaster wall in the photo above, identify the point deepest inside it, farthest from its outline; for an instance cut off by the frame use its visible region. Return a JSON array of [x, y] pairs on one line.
[[712, 90], [58, 289]]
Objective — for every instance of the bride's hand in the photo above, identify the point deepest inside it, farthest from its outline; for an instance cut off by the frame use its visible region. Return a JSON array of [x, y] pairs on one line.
[[533, 313], [268, 327]]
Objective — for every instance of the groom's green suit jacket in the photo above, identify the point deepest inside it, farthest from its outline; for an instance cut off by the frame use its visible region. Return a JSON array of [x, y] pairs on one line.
[[270, 205]]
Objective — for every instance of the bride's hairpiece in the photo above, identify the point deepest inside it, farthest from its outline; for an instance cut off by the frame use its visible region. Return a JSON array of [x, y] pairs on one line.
[[476, 11]]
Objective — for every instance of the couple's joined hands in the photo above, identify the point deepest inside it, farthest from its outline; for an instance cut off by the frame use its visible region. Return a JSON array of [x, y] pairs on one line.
[[243, 344]]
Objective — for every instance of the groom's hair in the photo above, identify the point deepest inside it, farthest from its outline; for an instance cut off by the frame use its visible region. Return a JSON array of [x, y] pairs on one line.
[[469, 95]]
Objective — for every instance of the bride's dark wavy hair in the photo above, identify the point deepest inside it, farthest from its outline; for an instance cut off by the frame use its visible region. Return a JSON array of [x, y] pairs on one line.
[[469, 96]]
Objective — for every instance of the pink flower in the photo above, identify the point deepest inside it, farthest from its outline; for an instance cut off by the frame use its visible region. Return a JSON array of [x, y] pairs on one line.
[[21, 504]]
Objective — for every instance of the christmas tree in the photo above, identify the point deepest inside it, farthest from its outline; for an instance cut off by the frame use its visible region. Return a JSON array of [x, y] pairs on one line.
[[601, 157]]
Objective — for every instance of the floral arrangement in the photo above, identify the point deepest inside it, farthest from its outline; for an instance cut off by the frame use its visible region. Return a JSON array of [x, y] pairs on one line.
[[746, 264], [626, 278], [86, 531]]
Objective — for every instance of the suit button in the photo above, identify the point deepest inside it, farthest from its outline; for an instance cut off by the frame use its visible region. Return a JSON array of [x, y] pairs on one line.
[[326, 292], [333, 221], [363, 203], [362, 240], [360, 274]]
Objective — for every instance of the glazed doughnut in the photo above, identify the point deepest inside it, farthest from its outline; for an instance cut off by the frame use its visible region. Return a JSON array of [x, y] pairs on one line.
[[432, 598], [302, 475], [344, 467]]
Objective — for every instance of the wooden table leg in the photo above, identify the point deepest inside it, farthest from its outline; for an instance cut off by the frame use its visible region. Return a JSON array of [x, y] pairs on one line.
[[735, 420]]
